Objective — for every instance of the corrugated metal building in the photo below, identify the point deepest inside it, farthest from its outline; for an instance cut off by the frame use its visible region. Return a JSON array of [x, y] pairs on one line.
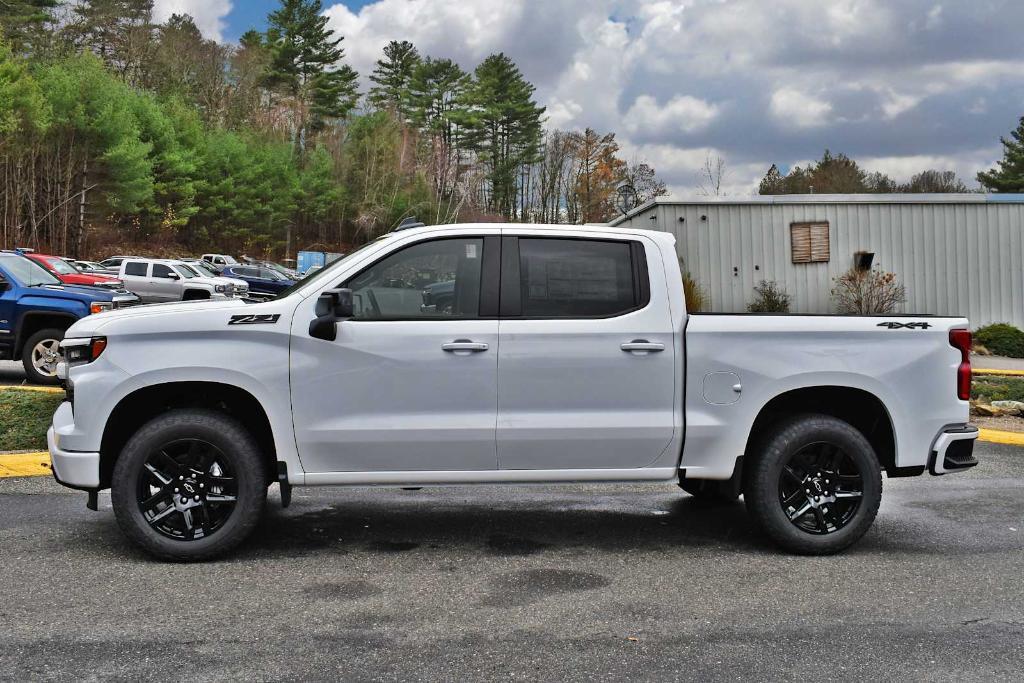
[[957, 254]]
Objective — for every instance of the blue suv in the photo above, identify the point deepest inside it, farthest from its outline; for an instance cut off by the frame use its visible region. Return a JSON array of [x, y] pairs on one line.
[[263, 282], [36, 308]]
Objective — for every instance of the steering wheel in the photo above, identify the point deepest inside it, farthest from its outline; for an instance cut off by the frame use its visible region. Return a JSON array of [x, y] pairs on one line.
[[373, 303]]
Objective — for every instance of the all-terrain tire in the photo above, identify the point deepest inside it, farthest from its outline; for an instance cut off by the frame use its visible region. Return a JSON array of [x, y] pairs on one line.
[[765, 469], [242, 457]]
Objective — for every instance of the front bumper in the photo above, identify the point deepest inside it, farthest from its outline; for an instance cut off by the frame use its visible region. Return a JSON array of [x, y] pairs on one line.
[[75, 469], [953, 450]]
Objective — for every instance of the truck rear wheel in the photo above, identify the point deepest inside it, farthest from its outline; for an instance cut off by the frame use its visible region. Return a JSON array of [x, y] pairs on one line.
[[814, 485], [41, 354], [189, 485]]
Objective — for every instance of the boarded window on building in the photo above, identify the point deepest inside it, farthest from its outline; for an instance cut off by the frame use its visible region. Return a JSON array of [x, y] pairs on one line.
[[809, 242]]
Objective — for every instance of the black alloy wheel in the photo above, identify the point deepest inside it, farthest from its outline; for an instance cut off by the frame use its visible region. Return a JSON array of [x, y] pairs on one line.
[[187, 490], [820, 488]]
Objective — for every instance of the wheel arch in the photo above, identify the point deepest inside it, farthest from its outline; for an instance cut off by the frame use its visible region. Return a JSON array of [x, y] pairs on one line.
[[862, 409], [143, 404], [32, 321]]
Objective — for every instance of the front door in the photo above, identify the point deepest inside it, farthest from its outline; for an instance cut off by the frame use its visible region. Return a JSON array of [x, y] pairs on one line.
[[407, 384], [586, 371]]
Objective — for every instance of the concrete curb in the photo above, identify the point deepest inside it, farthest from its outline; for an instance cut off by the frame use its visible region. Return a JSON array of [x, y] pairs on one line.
[[30, 387], [992, 371]]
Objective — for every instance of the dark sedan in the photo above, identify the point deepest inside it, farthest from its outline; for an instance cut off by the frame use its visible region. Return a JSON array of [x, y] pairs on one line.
[[263, 281]]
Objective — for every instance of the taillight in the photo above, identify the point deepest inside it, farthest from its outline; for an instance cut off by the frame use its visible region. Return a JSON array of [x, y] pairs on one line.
[[961, 339]]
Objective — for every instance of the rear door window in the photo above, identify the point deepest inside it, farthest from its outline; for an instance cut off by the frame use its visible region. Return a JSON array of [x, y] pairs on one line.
[[577, 278], [136, 268]]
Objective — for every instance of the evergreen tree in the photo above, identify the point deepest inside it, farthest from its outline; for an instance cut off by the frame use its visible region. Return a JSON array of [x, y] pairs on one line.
[[120, 32], [772, 182], [503, 126], [22, 22], [393, 75], [1008, 176], [303, 65]]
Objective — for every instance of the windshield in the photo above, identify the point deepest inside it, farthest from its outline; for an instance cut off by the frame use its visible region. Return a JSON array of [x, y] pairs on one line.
[[26, 271], [202, 269], [329, 268], [185, 270], [61, 266]]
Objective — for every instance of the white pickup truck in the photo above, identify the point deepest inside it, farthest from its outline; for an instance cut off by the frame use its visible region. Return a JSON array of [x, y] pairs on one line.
[[502, 354]]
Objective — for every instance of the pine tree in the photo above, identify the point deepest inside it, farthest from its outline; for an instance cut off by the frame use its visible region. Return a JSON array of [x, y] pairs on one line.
[[392, 76], [503, 126], [1009, 174], [22, 22], [303, 65], [772, 182]]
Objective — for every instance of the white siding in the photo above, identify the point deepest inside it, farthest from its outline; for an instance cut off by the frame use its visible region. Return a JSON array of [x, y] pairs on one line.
[[953, 258]]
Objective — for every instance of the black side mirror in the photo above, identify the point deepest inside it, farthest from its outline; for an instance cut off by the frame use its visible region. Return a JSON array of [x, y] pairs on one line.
[[332, 306]]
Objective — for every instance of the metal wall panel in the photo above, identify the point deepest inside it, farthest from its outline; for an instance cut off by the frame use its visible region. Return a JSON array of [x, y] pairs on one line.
[[953, 258]]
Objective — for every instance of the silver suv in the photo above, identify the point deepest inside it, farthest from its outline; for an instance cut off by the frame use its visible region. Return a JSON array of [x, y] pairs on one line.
[[158, 280]]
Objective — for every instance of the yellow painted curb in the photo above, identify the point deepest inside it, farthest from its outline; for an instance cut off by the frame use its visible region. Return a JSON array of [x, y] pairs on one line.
[[25, 465], [1005, 373], [29, 387], [997, 436]]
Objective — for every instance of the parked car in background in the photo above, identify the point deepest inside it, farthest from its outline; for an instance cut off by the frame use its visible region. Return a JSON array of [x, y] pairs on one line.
[[289, 273], [263, 282], [113, 264], [157, 280], [36, 308], [69, 275], [88, 266], [204, 269], [219, 261]]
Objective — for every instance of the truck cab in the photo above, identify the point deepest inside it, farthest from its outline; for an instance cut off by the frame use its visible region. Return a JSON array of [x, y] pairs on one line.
[[36, 309]]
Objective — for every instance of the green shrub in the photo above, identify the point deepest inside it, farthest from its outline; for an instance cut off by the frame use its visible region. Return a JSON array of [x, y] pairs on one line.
[[1001, 339], [988, 388], [770, 298]]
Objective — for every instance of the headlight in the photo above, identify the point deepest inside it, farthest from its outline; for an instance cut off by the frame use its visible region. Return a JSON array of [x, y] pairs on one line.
[[220, 288], [100, 306], [81, 351]]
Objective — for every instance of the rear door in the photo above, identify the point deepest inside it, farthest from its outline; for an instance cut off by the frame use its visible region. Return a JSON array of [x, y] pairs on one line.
[[135, 276], [165, 283], [586, 367]]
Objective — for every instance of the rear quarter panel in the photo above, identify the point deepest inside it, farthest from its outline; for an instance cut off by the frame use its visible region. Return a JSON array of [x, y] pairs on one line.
[[912, 372]]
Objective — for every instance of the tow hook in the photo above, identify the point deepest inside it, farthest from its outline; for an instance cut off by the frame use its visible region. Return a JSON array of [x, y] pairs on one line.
[[282, 482], [93, 500]]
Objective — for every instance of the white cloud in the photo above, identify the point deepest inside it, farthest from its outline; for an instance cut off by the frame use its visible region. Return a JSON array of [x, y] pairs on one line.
[[682, 112], [794, 107], [208, 14]]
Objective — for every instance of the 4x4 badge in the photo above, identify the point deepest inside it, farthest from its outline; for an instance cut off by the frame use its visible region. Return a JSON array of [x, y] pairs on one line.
[[262, 319], [908, 326]]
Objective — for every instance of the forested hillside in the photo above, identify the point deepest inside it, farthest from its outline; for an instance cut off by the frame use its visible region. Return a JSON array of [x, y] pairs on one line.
[[117, 132]]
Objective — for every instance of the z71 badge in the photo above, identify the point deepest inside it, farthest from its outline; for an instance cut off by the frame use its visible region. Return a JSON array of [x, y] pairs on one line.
[[908, 326], [264, 319]]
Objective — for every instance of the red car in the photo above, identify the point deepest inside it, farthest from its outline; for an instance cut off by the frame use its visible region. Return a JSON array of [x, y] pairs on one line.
[[68, 274]]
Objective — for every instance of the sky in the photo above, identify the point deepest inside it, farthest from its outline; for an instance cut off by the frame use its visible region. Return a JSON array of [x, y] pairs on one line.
[[898, 85]]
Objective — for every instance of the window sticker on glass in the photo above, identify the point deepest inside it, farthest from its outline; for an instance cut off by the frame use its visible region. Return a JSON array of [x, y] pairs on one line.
[[470, 250]]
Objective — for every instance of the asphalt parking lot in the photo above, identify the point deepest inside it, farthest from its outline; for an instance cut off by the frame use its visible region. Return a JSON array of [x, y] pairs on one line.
[[11, 372], [541, 583]]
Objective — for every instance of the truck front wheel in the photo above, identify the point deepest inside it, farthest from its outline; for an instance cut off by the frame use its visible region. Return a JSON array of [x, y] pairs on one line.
[[41, 354], [814, 484], [189, 485]]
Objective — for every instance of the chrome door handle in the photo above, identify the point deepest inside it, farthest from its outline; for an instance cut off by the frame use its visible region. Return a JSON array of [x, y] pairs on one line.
[[642, 345], [464, 345]]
